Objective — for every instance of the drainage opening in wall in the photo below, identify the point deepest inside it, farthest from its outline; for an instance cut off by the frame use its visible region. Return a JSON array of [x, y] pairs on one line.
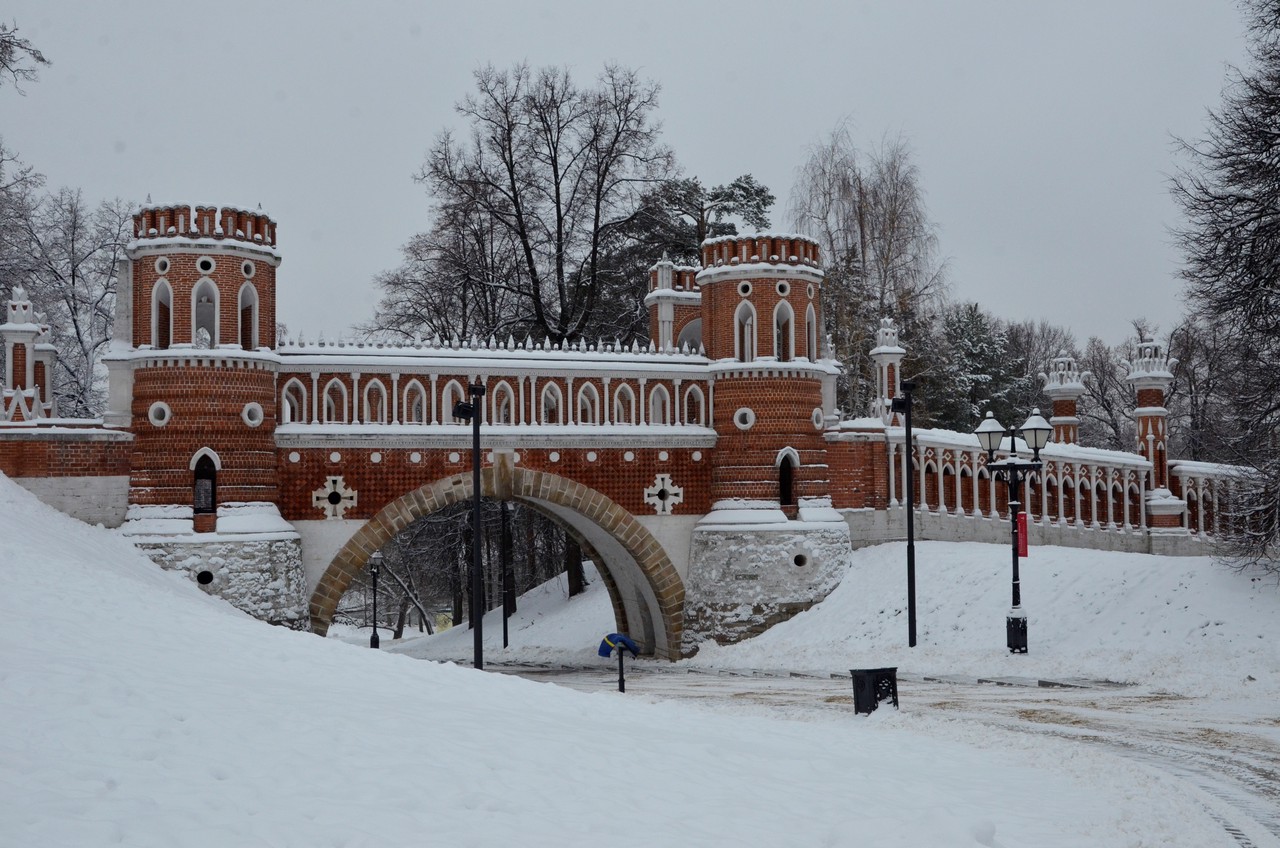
[[204, 578], [800, 560]]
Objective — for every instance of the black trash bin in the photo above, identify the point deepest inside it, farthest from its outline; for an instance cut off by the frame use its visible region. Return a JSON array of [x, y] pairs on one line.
[[873, 685]]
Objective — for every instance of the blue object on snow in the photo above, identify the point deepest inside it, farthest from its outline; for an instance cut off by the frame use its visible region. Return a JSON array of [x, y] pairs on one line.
[[619, 641]]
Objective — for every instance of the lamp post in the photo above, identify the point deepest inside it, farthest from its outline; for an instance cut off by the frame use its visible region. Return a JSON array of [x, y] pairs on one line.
[[470, 411], [1014, 470], [903, 405], [375, 563]]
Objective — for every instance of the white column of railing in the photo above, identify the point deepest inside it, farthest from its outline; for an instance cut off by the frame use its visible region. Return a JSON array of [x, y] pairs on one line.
[[395, 398], [893, 476], [355, 398], [315, 397]]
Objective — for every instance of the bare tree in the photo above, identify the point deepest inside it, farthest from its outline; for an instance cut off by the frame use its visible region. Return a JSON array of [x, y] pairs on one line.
[[868, 214], [562, 172], [64, 254], [20, 61], [1230, 194]]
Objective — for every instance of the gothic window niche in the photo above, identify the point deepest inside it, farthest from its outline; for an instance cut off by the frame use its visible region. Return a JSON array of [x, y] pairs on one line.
[[161, 315], [248, 317], [745, 333], [204, 497], [204, 314], [783, 334]]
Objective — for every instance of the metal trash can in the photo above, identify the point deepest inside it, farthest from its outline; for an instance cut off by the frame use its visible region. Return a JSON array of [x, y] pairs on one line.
[[873, 685]]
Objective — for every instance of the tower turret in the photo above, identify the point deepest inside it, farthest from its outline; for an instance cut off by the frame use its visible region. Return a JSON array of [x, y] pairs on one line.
[[1151, 375], [1064, 384], [675, 306], [29, 358], [887, 355]]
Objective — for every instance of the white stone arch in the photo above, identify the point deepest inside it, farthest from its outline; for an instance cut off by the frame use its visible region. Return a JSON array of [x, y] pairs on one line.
[[376, 408], [453, 393], [415, 409], [551, 405], [334, 402], [659, 405], [624, 405], [293, 402], [785, 453], [784, 332], [788, 463], [504, 404], [205, 310], [203, 452], [588, 405], [161, 314], [695, 407], [811, 333], [247, 301], [744, 332]]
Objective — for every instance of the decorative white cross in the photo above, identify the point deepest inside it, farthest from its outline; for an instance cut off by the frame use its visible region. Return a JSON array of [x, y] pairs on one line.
[[334, 497], [663, 495]]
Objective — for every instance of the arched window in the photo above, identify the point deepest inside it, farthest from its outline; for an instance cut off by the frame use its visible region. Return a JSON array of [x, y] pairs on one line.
[[784, 339], [415, 403], [375, 403], [552, 407], [204, 314], [691, 335], [293, 403], [453, 394], [811, 334], [588, 405], [503, 404], [624, 405], [745, 334], [248, 317], [205, 485], [335, 402], [694, 406], [788, 461], [659, 406], [161, 315]]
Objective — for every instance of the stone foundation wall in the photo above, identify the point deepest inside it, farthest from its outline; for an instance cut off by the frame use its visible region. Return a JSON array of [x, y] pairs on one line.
[[742, 582], [262, 577]]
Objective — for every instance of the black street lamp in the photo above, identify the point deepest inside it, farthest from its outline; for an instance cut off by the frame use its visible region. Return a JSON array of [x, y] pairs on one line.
[[1014, 470], [903, 405], [375, 563], [470, 411]]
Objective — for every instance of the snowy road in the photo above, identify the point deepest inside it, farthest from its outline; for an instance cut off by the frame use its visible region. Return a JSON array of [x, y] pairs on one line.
[[1224, 752]]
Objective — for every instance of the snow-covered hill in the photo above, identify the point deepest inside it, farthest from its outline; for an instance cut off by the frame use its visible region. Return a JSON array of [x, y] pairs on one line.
[[135, 710]]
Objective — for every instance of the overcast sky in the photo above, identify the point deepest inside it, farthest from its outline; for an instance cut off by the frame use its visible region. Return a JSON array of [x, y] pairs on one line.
[[1043, 131]]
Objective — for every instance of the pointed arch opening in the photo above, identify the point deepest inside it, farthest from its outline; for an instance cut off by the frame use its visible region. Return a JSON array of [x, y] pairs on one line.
[[588, 404], [204, 314], [659, 405], [504, 405], [205, 465], [695, 407], [624, 405], [811, 334], [161, 314], [293, 402], [690, 336], [248, 312], [453, 395], [415, 403], [784, 336], [335, 402], [375, 403], [552, 407], [744, 336], [788, 462]]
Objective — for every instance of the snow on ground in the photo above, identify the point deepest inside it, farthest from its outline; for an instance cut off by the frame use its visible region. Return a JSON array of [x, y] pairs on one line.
[[138, 711]]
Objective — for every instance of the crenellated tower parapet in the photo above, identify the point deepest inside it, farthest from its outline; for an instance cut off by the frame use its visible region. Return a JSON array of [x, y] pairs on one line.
[[1064, 385]]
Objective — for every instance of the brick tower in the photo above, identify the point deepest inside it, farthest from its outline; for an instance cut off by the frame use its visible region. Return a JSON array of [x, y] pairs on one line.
[[776, 535], [1151, 375], [196, 385]]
